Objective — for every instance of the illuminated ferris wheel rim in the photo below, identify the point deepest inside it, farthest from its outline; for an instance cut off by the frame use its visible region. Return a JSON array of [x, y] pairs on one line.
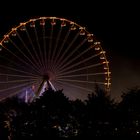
[[74, 26]]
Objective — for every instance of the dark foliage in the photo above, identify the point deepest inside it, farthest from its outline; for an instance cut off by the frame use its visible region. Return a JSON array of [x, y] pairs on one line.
[[53, 115]]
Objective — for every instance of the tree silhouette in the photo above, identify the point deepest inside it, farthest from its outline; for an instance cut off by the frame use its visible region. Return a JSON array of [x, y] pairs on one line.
[[129, 113], [10, 109], [100, 109], [54, 116]]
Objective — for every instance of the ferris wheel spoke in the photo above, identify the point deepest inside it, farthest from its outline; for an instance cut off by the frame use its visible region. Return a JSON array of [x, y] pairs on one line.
[[16, 75], [13, 94], [80, 75], [61, 46], [77, 56], [69, 46], [15, 66], [34, 50], [32, 64], [74, 85], [19, 58], [22, 89], [44, 46], [25, 46], [80, 69], [80, 81], [78, 63], [56, 45], [62, 64], [16, 81], [40, 53], [49, 50], [18, 86], [16, 70]]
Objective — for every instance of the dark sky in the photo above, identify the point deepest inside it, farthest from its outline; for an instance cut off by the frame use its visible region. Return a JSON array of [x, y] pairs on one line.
[[115, 24]]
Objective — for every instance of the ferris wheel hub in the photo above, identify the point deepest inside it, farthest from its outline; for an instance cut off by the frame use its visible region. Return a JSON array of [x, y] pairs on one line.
[[49, 75], [46, 77]]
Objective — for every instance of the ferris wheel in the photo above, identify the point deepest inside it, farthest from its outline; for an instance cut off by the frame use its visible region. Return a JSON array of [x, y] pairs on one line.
[[51, 52]]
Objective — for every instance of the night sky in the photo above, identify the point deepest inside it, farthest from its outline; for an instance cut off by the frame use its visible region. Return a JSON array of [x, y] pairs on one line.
[[114, 24]]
